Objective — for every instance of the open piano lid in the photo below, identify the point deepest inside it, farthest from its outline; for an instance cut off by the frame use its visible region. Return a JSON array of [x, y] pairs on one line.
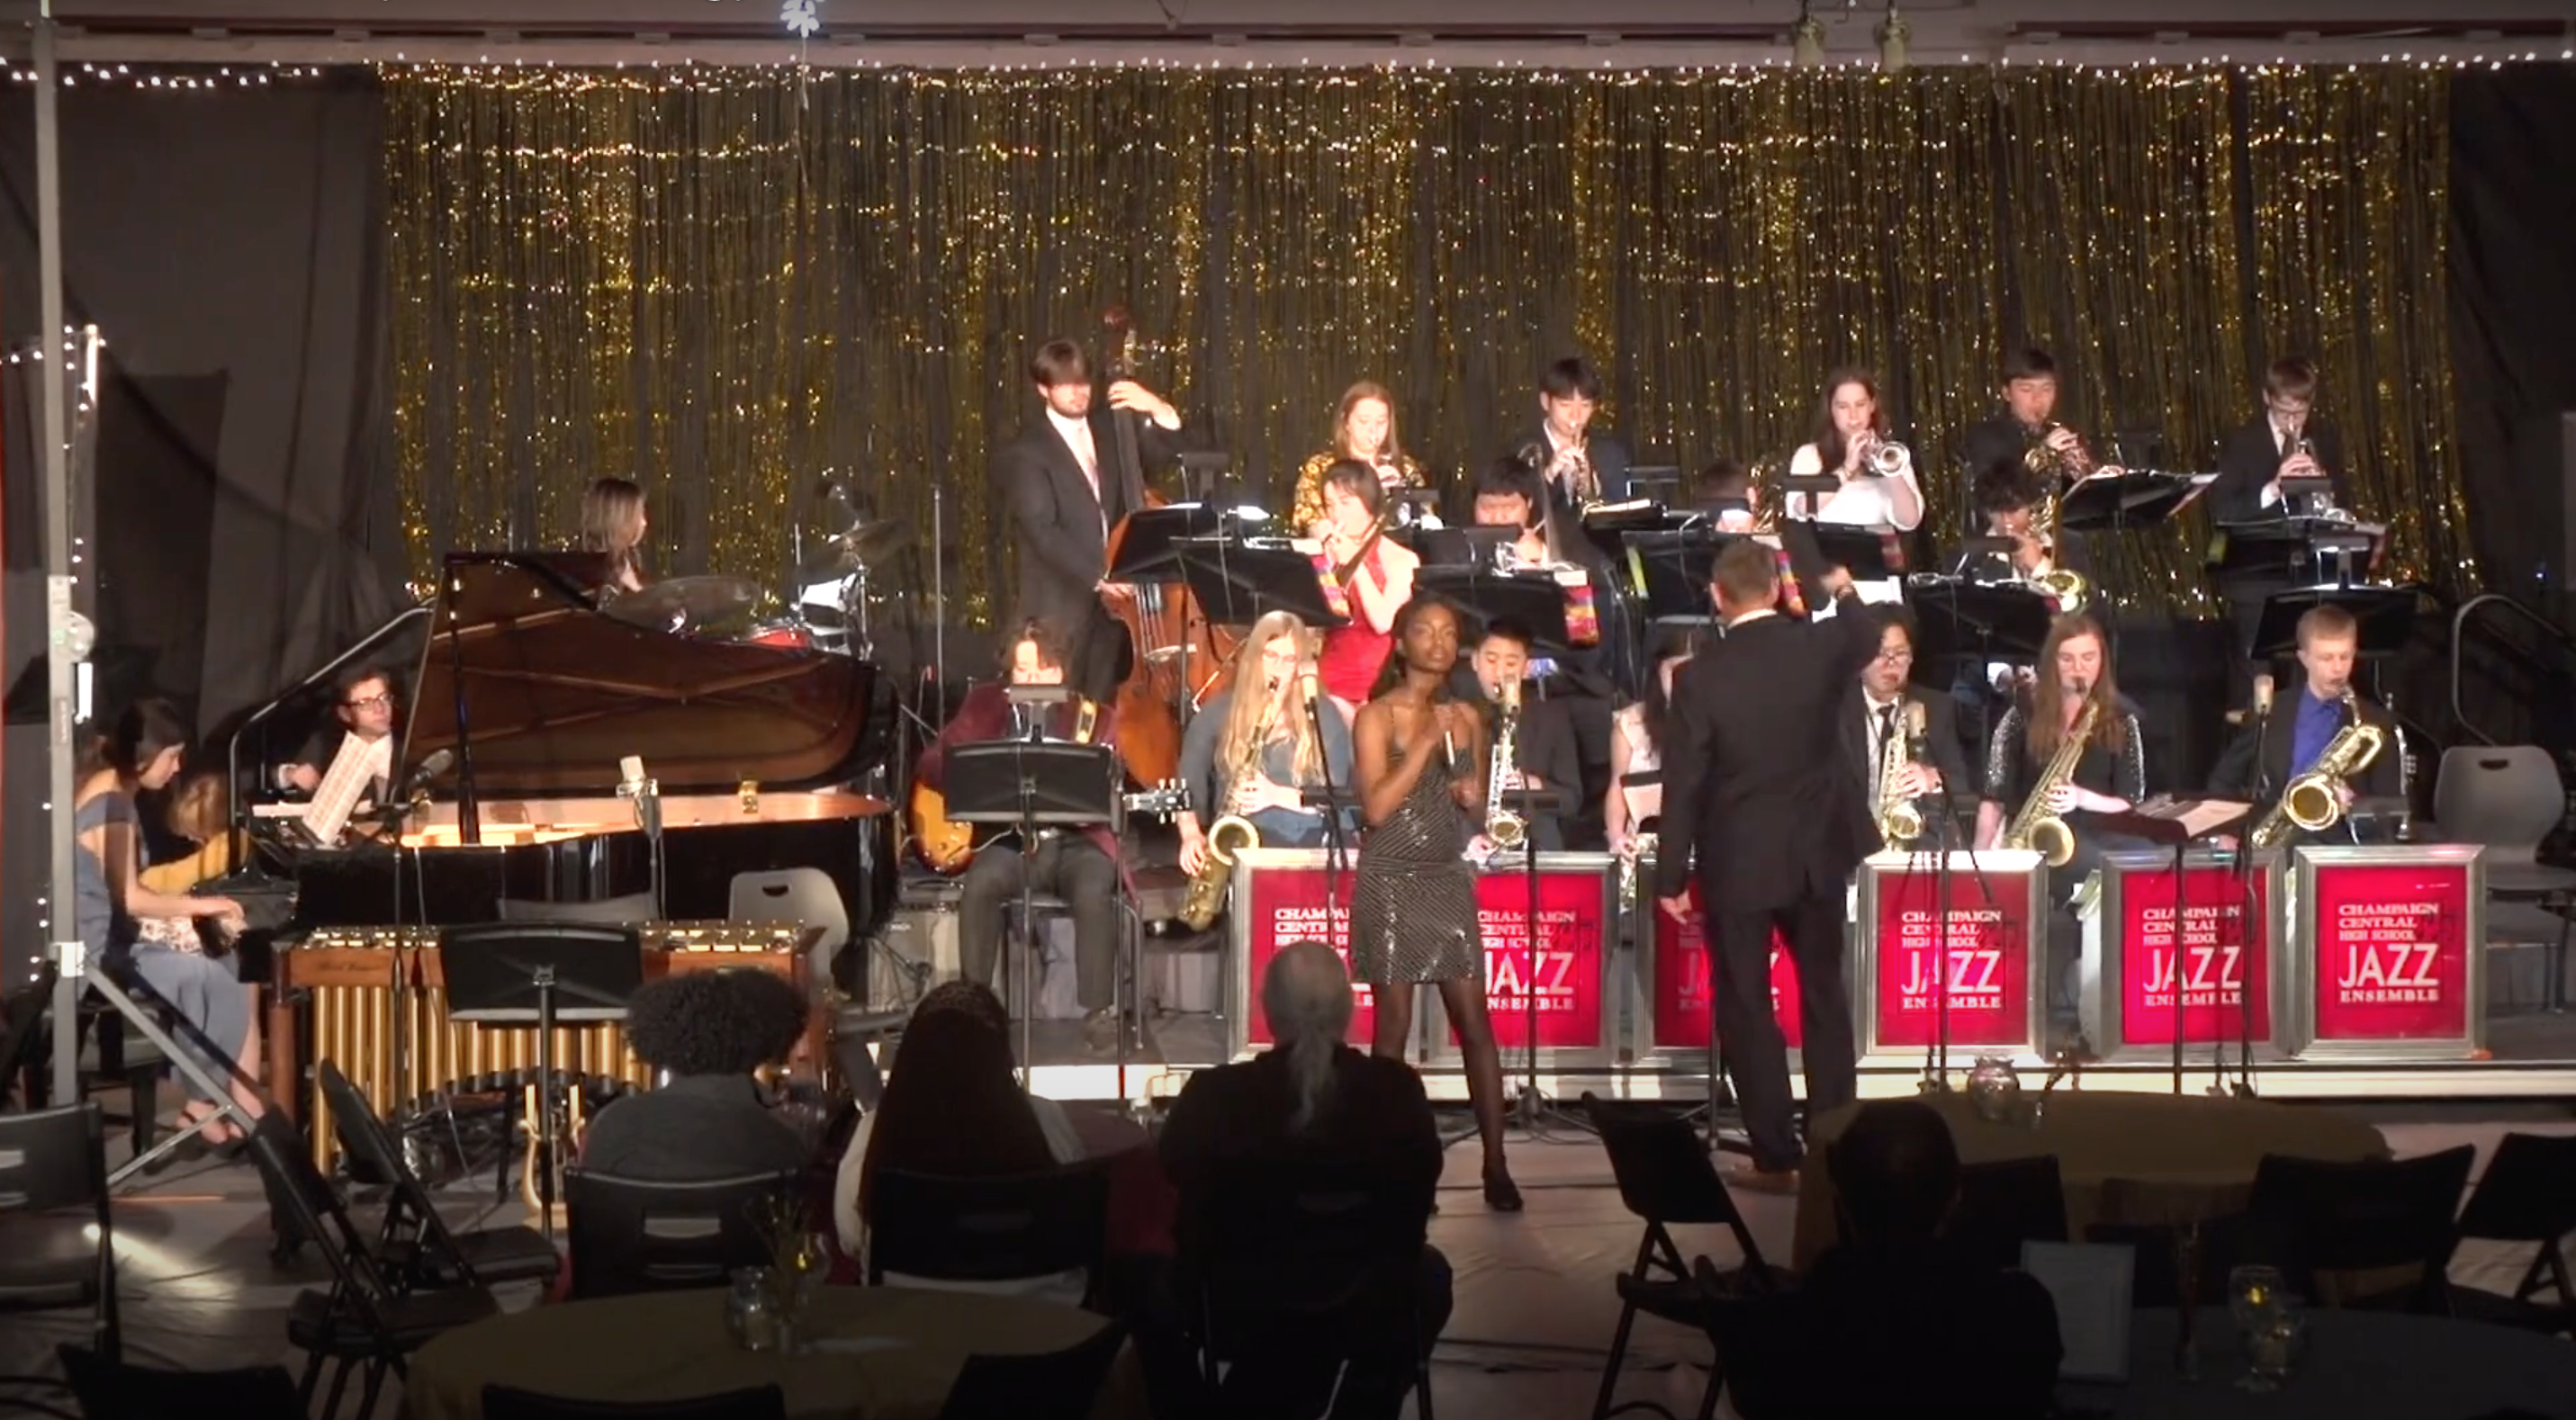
[[556, 692]]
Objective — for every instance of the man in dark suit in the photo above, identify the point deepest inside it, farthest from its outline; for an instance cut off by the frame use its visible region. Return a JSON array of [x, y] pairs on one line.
[[2285, 441], [1880, 703], [1757, 796], [2256, 767], [1061, 480], [2003, 439], [1577, 462]]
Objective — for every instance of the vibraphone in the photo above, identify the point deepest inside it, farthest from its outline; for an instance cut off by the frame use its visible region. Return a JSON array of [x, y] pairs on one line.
[[346, 977]]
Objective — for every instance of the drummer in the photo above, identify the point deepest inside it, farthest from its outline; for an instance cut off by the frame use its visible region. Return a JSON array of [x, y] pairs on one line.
[[612, 522]]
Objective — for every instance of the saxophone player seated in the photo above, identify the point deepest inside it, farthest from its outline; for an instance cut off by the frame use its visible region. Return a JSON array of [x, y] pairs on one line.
[[1253, 750], [1546, 755], [2072, 753], [1903, 764], [2287, 744]]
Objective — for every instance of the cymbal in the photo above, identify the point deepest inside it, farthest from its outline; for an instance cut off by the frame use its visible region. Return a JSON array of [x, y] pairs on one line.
[[868, 543], [686, 603]]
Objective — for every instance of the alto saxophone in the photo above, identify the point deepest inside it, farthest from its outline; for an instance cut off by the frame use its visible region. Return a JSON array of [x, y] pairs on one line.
[[1226, 838], [2033, 826], [2313, 802], [1503, 826], [1899, 821]]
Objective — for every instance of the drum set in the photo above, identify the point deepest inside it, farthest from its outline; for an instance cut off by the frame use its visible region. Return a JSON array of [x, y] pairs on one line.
[[826, 605]]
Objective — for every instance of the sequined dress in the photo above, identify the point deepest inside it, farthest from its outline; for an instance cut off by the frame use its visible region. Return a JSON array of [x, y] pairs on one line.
[[1413, 901]]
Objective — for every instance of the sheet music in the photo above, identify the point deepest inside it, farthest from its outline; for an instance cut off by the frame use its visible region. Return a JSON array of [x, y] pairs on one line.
[[358, 765], [2197, 816]]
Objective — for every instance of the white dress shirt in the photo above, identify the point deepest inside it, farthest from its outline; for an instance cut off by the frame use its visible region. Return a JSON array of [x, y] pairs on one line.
[[1076, 434]]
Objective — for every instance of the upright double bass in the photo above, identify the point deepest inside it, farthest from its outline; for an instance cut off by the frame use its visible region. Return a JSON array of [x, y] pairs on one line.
[[1162, 618]]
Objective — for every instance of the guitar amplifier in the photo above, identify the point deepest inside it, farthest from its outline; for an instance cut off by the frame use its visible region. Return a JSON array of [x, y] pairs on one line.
[[916, 951]]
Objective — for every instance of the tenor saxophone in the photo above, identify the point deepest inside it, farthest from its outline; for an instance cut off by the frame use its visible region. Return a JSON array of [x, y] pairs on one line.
[[2313, 802], [2033, 826], [1226, 839]]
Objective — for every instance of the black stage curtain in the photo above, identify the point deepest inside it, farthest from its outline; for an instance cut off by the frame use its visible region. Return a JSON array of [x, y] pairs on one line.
[[228, 244], [2513, 337]]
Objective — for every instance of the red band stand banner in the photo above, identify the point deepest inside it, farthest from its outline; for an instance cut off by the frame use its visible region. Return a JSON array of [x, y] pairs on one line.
[[1675, 1011], [1995, 941], [2127, 996], [2389, 962], [1281, 894]]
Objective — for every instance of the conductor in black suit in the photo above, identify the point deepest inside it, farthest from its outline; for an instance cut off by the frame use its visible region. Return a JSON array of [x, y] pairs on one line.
[[2286, 440], [1061, 480], [1757, 794], [1881, 703]]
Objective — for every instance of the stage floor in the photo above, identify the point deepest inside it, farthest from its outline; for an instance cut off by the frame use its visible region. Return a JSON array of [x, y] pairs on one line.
[[2533, 1056]]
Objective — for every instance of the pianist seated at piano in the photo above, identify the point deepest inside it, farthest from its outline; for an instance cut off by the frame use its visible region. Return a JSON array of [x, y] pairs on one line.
[[1254, 750], [612, 522], [1082, 867], [141, 750], [709, 1033], [365, 709]]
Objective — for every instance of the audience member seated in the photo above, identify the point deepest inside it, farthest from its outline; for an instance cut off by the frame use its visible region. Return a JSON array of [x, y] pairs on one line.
[[953, 1108], [1313, 1100], [708, 1120], [1893, 1321]]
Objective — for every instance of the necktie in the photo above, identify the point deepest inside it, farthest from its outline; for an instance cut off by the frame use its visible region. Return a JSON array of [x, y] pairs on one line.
[[1886, 729]]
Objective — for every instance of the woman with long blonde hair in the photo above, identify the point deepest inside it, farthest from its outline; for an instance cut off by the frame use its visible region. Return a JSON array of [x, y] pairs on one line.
[[612, 521], [1363, 432], [1255, 749]]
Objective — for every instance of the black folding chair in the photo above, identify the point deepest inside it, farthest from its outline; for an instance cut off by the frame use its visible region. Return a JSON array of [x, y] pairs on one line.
[[633, 1235], [22, 1017], [987, 1229], [1051, 1385], [2528, 1195], [112, 1390], [53, 1184], [1309, 1249], [2365, 1216], [2006, 1203], [361, 1320], [414, 1242], [1665, 1177], [767, 1402]]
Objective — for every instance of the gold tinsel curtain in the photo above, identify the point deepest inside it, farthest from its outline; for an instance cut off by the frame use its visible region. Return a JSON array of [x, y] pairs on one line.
[[727, 282]]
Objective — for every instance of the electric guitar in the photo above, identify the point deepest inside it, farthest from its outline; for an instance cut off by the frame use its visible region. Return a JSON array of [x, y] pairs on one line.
[[946, 847]]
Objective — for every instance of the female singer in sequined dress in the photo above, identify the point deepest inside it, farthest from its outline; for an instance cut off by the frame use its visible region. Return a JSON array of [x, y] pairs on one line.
[[1413, 904]]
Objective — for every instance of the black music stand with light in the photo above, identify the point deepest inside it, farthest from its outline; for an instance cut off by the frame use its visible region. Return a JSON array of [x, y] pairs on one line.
[[1149, 562], [1029, 786], [1237, 583], [540, 974], [1674, 570], [1480, 595], [2130, 499], [2384, 615], [1459, 547]]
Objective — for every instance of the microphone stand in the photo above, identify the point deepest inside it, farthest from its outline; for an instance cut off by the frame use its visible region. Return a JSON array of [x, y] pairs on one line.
[[2246, 922], [1336, 855]]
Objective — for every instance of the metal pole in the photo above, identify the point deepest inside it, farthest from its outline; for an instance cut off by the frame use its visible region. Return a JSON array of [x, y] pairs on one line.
[[53, 428]]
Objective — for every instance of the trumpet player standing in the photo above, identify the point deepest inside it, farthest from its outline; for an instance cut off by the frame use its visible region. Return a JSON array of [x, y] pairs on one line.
[[2277, 748], [1879, 487], [1580, 464], [1253, 750]]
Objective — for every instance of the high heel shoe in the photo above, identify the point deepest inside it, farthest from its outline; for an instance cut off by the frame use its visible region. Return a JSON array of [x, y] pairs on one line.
[[1501, 1195]]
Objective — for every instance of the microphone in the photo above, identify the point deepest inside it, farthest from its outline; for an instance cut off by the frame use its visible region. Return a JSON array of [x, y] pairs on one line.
[[631, 782], [2262, 696], [1914, 720], [438, 762], [1512, 697], [1308, 687]]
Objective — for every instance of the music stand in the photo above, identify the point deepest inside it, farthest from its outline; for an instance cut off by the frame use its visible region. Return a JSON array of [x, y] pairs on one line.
[[2385, 615], [1661, 482], [1145, 551], [1459, 547], [1203, 474], [1869, 552], [1028, 785], [1238, 583], [538, 974], [2135, 498], [2178, 822], [1674, 570], [1534, 599]]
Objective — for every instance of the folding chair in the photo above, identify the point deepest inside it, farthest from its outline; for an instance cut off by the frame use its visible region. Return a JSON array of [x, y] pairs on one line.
[[2528, 1195], [1052, 1385], [2365, 1216], [414, 1240], [639, 1235], [2007, 1203], [987, 1229]]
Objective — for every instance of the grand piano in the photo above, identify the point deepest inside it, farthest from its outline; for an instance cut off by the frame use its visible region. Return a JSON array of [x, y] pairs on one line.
[[533, 694]]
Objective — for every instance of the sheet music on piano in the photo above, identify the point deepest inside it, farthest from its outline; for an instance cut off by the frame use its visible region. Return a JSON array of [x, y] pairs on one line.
[[358, 767]]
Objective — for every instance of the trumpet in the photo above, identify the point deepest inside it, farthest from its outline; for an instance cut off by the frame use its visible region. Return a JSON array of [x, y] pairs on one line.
[[2067, 589], [2074, 462], [1886, 458]]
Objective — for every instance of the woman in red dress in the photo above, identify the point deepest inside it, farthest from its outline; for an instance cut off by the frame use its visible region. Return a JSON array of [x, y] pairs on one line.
[[1366, 578]]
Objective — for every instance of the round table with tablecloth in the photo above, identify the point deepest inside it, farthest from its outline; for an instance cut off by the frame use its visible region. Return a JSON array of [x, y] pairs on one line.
[[2355, 1366], [888, 1353], [2196, 1152]]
